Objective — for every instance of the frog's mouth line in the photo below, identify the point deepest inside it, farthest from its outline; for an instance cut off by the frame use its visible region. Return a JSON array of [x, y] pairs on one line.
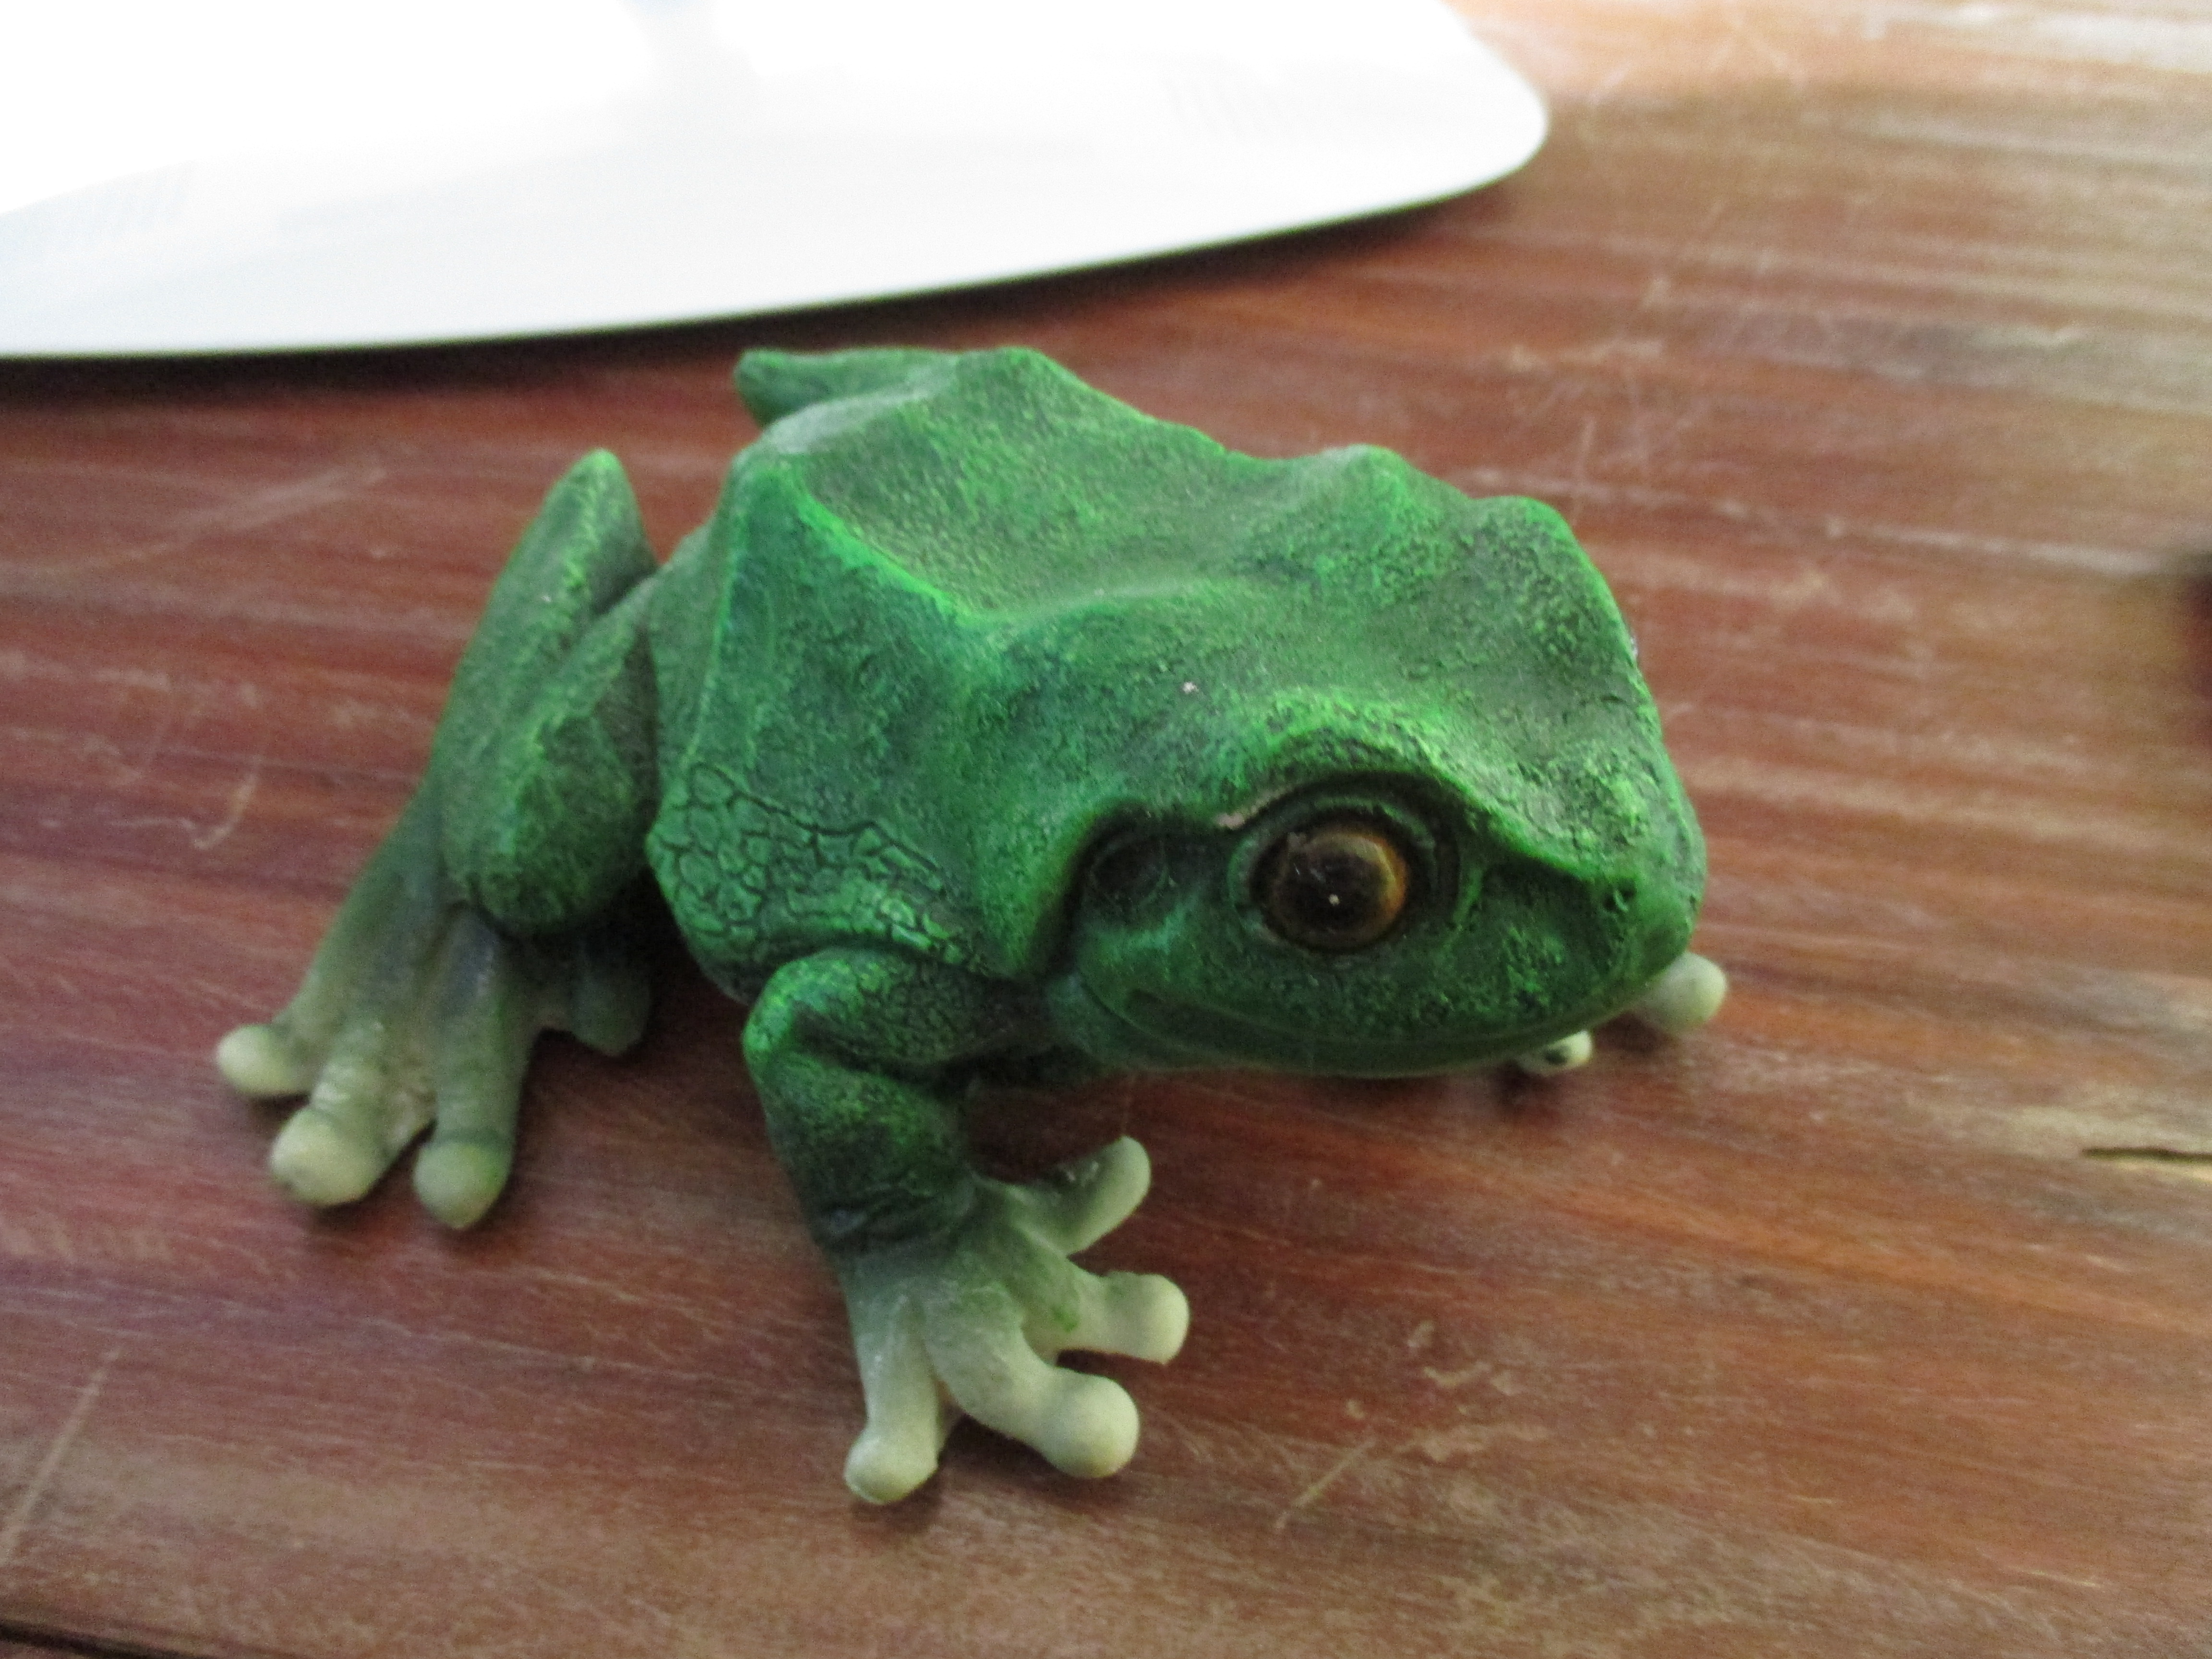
[[1194, 1035]]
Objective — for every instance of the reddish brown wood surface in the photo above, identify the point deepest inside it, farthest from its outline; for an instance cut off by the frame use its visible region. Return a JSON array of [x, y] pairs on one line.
[[1869, 348]]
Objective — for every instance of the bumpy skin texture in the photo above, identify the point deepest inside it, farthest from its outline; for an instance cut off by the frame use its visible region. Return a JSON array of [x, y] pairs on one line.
[[973, 737]]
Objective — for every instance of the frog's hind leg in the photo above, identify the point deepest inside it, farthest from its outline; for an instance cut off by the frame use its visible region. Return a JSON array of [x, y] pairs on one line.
[[496, 908], [544, 758]]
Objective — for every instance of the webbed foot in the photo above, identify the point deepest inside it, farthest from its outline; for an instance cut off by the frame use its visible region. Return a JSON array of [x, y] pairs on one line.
[[418, 1013], [972, 1322]]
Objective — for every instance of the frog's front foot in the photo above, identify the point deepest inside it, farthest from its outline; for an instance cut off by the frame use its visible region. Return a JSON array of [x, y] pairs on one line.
[[1554, 1058], [1680, 1000], [1684, 997], [971, 1320], [418, 1013]]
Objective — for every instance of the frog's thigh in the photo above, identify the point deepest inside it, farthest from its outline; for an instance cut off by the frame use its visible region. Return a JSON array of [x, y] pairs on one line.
[[486, 913], [546, 828]]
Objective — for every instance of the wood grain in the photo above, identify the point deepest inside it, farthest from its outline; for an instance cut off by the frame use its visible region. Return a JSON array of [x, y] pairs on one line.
[[1868, 346]]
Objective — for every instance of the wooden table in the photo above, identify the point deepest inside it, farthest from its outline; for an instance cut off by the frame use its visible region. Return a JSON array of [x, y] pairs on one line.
[[1869, 347]]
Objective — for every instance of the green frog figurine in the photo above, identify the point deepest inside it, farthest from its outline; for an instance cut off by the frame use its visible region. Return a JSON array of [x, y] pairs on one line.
[[991, 729]]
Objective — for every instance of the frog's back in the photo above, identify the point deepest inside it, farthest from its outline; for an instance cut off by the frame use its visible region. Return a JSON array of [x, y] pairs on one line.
[[999, 479]]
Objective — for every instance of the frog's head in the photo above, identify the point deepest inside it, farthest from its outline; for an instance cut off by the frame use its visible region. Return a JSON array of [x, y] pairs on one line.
[[1394, 800], [1377, 923], [1317, 765]]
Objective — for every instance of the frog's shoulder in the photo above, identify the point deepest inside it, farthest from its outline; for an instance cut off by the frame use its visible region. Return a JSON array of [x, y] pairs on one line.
[[799, 670]]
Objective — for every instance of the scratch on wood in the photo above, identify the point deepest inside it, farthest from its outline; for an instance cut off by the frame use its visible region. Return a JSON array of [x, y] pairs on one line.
[[135, 770], [253, 510], [19, 1519], [2181, 44], [2063, 1579], [1450, 1380], [2195, 1164], [241, 797], [1739, 33], [1330, 1477]]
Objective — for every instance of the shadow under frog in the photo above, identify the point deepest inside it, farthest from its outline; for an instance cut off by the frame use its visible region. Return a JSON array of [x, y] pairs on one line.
[[989, 725]]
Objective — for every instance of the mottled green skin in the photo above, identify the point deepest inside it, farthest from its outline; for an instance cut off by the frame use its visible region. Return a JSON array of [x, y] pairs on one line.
[[942, 637], [948, 631], [959, 625]]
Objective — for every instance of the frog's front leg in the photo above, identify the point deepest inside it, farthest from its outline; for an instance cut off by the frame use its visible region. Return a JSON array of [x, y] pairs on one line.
[[959, 1288], [495, 908]]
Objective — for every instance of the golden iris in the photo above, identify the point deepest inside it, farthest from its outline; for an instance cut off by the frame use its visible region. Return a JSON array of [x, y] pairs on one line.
[[1335, 884]]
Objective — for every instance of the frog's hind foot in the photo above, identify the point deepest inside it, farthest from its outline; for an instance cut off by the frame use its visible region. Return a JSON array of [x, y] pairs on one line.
[[419, 1013]]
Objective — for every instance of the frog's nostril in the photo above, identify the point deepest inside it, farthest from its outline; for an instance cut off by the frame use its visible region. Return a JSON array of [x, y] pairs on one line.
[[1654, 919]]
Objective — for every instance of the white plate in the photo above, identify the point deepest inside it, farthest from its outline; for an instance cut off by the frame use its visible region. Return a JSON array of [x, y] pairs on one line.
[[255, 174]]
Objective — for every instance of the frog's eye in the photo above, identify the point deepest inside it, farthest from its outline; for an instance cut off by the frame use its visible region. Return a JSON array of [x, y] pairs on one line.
[[1339, 884]]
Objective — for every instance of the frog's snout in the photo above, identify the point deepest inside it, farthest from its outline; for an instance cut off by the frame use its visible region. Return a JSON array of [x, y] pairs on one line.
[[1674, 989], [1652, 918]]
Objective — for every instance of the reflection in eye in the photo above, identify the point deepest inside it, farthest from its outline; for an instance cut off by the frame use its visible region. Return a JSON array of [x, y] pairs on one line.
[[1338, 884]]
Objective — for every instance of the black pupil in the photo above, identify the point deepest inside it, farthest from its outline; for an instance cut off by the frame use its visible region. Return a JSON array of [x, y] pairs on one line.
[[1335, 886]]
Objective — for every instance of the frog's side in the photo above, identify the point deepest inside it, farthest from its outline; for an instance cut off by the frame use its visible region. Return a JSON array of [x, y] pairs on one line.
[[988, 724]]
